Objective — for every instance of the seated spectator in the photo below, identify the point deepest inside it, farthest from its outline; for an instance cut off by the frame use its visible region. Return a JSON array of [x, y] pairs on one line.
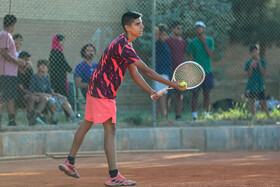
[[25, 97], [84, 69], [18, 42], [40, 85]]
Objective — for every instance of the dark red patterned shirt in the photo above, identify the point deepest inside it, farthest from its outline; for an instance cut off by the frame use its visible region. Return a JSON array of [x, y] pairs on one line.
[[106, 79]]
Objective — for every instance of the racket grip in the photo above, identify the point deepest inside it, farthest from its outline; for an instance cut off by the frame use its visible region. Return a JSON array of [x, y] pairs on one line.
[[160, 92]]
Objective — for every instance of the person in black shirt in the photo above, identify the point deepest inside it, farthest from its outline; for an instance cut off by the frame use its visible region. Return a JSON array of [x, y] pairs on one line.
[[25, 97]]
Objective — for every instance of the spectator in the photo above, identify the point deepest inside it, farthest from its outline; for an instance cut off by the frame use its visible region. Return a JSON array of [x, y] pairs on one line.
[[9, 67], [163, 67], [178, 55], [58, 66], [26, 98], [40, 85], [18, 42], [201, 49], [255, 68], [84, 69]]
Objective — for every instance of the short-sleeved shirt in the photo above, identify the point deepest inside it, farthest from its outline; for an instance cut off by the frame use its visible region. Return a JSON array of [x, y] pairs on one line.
[[255, 82], [163, 59], [84, 70], [106, 79], [24, 79], [7, 42], [41, 85], [197, 49], [178, 50]]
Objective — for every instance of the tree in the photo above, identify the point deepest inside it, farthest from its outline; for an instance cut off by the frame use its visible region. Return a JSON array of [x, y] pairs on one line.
[[256, 21]]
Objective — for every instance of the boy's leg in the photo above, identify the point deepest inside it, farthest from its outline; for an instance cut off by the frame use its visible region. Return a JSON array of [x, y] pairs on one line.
[[79, 137], [68, 166], [194, 103], [163, 106], [264, 107], [206, 101], [252, 107], [178, 99], [110, 144], [115, 178]]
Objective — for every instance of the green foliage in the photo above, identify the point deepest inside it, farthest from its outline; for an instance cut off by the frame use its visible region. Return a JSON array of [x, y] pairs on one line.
[[257, 21]]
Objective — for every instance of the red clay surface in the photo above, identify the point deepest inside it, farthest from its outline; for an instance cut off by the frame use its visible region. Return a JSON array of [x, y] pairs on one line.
[[231, 169]]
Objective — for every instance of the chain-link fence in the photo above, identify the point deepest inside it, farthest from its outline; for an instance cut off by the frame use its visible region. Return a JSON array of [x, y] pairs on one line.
[[65, 39]]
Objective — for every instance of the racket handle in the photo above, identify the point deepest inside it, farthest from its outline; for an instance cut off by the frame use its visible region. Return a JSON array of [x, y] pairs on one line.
[[160, 92]]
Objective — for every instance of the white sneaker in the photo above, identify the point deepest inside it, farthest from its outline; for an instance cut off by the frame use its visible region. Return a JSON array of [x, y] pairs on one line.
[[38, 119]]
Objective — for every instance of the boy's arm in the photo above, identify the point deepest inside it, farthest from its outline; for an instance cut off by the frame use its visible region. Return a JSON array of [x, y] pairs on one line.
[[138, 79], [153, 75], [262, 69], [4, 53]]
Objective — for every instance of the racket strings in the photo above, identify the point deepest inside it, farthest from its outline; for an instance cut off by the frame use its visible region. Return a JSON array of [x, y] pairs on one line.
[[190, 73]]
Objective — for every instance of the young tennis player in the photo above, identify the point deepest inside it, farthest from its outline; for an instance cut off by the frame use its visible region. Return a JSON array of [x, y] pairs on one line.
[[102, 89]]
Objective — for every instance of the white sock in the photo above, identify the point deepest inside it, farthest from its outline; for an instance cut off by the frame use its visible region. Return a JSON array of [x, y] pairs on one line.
[[194, 114], [207, 114]]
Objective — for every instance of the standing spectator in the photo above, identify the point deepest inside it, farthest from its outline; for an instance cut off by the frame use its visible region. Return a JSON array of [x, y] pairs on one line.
[[58, 66], [84, 69], [163, 67], [178, 55], [201, 49], [18, 42], [9, 67], [255, 68], [25, 97]]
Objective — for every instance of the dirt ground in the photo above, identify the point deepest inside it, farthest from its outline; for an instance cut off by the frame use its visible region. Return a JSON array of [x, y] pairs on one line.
[[227, 169]]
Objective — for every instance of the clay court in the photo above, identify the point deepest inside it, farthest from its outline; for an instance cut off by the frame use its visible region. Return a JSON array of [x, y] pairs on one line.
[[230, 169]]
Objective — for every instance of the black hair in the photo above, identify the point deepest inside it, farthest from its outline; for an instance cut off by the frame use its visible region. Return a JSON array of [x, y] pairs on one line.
[[59, 37], [253, 47], [9, 20], [24, 54], [83, 49], [16, 36], [162, 28], [175, 24], [129, 17], [42, 62]]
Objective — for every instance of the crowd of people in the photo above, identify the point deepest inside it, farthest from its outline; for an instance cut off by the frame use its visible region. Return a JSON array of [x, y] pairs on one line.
[[172, 51], [43, 93], [46, 91]]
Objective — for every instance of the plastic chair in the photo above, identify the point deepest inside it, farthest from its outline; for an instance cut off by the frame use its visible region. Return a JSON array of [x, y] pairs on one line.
[[78, 97]]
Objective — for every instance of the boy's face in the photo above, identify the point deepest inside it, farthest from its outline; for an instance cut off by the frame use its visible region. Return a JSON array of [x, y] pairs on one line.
[[199, 29], [136, 28], [18, 43], [163, 36], [177, 30], [254, 54], [43, 68]]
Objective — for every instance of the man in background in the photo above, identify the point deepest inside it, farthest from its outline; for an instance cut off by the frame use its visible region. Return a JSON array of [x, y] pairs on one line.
[[200, 50]]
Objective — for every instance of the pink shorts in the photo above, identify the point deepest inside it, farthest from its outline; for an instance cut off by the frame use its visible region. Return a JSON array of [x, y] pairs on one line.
[[100, 110]]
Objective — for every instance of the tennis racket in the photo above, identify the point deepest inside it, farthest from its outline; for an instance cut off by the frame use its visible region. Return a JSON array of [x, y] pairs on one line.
[[190, 72]]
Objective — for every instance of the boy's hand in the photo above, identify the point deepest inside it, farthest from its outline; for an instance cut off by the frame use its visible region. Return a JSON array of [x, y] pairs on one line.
[[154, 95], [21, 62], [176, 85], [202, 38], [254, 64]]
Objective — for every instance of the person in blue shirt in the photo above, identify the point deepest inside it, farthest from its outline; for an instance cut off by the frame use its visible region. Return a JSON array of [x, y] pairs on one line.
[[163, 67], [84, 69], [255, 68]]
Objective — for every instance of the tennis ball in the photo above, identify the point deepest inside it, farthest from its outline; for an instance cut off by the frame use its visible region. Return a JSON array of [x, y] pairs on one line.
[[183, 84]]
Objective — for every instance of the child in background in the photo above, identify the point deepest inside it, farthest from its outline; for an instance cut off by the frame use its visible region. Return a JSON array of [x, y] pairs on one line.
[[255, 68]]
